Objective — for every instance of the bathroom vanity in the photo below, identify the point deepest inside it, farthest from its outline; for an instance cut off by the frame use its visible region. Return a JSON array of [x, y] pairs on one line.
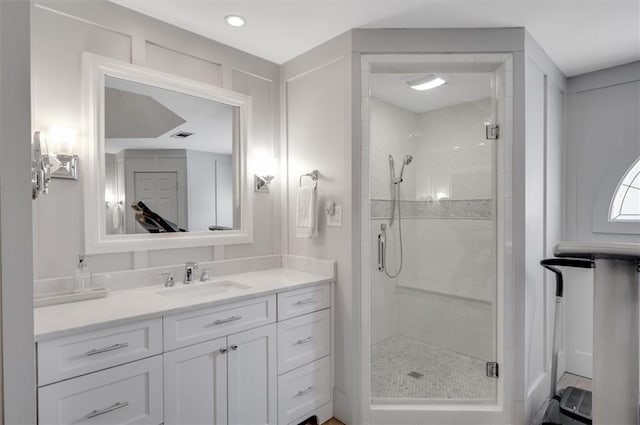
[[249, 348]]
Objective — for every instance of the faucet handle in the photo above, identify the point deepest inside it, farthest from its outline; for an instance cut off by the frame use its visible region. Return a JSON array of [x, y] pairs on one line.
[[169, 281], [205, 275]]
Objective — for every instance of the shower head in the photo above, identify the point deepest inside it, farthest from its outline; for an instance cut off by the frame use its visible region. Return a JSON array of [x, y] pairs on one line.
[[405, 161]]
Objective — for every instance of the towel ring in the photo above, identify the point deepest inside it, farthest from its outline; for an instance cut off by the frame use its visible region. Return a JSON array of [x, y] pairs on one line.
[[313, 175]]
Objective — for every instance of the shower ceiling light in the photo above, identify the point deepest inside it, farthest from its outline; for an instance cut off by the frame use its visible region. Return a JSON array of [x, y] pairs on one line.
[[427, 82], [235, 20]]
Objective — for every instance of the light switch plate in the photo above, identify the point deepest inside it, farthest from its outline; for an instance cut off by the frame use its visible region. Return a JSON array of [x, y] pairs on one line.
[[335, 220]]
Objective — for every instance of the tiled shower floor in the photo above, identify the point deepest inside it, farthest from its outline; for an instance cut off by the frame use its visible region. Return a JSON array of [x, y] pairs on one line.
[[446, 374]]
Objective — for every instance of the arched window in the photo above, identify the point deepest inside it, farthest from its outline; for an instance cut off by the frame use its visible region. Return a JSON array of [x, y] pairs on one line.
[[625, 205]]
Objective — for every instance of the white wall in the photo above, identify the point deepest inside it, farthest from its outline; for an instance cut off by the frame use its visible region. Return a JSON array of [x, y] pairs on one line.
[[544, 122], [18, 349], [316, 89], [62, 30], [603, 140]]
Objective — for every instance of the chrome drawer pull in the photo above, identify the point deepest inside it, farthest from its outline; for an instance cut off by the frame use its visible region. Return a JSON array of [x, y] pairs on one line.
[[304, 340], [307, 301], [221, 321], [303, 392], [118, 405], [105, 349]]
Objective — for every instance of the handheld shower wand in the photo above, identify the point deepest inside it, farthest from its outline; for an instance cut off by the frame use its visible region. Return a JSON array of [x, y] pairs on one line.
[[406, 160], [395, 199]]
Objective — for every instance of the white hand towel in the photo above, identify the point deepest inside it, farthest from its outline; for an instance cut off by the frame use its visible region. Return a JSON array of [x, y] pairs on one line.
[[306, 213], [116, 217]]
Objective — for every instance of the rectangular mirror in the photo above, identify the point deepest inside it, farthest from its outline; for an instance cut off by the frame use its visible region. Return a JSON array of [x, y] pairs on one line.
[[170, 156]]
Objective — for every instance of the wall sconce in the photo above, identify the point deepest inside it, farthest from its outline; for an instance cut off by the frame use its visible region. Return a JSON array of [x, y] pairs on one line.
[[56, 161], [262, 182], [264, 169], [62, 143]]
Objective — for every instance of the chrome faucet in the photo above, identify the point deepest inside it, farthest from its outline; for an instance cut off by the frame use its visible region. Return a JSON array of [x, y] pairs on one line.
[[188, 272], [169, 280]]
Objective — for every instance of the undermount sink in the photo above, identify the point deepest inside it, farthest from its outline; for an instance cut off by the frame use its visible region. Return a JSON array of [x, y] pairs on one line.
[[203, 289]]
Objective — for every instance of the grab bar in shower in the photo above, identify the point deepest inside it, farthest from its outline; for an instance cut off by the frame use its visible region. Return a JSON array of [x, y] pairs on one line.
[[381, 248]]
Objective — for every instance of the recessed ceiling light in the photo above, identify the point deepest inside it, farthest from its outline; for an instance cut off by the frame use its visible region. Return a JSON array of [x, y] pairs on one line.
[[427, 82], [235, 20]]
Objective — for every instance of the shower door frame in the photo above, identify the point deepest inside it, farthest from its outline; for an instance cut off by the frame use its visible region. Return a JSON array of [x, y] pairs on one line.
[[439, 408]]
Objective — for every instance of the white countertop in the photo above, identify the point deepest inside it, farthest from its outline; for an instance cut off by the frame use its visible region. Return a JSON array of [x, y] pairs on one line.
[[130, 305]]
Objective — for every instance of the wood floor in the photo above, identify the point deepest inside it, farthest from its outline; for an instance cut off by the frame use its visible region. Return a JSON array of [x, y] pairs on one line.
[[333, 421]]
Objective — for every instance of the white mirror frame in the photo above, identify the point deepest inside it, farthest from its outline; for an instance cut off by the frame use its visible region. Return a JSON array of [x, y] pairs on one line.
[[95, 69]]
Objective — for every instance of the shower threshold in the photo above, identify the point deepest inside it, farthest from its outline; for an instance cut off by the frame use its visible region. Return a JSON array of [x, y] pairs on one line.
[[404, 368]]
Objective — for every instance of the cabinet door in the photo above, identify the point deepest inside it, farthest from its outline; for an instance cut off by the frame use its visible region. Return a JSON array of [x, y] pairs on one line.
[[253, 377], [195, 380]]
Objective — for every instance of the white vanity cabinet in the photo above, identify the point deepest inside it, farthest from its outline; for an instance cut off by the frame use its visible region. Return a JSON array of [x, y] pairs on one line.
[[304, 355], [262, 360], [230, 380]]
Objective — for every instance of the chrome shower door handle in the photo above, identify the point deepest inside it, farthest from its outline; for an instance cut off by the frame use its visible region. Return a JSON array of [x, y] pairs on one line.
[[381, 252]]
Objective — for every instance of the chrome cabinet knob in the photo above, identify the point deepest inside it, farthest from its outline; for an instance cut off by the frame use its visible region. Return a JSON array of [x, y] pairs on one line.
[[234, 347]]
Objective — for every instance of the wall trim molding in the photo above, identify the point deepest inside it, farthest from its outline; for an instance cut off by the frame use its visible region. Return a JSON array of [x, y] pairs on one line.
[[604, 78]]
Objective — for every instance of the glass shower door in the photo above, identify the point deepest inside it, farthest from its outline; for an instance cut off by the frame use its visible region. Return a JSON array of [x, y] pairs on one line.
[[433, 230]]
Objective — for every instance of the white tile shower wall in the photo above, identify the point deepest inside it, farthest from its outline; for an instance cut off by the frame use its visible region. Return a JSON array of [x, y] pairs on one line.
[[393, 132], [383, 289], [455, 257], [62, 30], [456, 324], [454, 159], [445, 261]]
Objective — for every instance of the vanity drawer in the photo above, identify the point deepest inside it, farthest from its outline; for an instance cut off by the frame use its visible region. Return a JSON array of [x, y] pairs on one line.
[[128, 394], [303, 301], [303, 339], [76, 355], [303, 390], [206, 324]]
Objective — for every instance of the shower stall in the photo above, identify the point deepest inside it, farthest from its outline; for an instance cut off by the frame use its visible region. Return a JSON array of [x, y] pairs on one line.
[[434, 158]]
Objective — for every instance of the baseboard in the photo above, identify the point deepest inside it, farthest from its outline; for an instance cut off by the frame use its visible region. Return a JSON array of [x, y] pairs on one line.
[[536, 396], [341, 407]]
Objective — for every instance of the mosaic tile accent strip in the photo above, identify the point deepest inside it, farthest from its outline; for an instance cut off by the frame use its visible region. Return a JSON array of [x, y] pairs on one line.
[[468, 209], [447, 374]]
